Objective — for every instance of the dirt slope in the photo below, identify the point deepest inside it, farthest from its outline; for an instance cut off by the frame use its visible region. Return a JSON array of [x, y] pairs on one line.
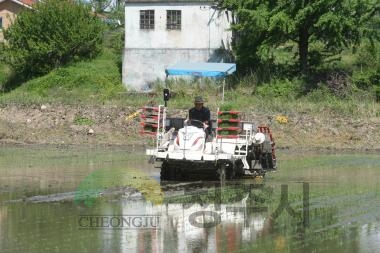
[[111, 125]]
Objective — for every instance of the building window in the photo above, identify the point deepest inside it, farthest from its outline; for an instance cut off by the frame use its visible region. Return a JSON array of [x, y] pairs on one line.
[[1, 23], [147, 19], [173, 20]]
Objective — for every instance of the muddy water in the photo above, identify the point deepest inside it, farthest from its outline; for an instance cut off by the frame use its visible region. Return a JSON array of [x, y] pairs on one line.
[[111, 200]]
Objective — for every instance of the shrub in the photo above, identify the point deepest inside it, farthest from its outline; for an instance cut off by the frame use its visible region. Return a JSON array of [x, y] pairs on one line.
[[280, 88], [377, 93], [227, 106], [366, 79], [322, 93], [51, 35]]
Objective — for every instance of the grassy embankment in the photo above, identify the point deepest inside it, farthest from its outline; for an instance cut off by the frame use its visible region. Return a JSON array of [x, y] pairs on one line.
[[98, 82], [83, 82], [317, 118]]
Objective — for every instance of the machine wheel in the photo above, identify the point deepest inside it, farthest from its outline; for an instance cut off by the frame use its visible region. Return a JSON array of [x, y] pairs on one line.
[[231, 171], [266, 161], [165, 171], [239, 168], [179, 174]]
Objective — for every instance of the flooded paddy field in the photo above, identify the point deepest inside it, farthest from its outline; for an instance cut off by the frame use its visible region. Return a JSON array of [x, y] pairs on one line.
[[71, 199]]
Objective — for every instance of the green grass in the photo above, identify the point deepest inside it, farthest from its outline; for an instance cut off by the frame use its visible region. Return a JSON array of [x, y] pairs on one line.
[[83, 121], [84, 82], [4, 73], [279, 96], [98, 82]]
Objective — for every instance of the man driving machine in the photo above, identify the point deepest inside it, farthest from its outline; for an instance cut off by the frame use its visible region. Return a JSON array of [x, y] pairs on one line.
[[201, 113]]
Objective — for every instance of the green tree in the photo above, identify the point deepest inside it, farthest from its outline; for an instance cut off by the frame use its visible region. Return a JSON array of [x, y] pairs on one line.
[[327, 26], [51, 35]]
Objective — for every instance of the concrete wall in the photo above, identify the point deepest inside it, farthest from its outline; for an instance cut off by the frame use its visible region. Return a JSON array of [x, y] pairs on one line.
[[148, 52], [144, 66]]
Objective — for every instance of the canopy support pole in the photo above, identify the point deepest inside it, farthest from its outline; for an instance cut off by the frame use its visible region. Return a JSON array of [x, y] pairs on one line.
[[166, 86]]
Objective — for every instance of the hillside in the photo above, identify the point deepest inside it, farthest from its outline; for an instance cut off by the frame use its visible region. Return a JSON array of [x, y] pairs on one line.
[[61, 107]]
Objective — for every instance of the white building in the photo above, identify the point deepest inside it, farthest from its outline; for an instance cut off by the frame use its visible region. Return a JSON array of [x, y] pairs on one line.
[[163, 32]]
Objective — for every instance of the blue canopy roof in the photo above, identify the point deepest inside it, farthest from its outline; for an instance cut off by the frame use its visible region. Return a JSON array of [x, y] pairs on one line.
[[204, 69]]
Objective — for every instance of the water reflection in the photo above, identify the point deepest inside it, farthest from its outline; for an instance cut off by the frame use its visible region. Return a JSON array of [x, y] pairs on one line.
[[49, 226], [236, 226], [38, 212]]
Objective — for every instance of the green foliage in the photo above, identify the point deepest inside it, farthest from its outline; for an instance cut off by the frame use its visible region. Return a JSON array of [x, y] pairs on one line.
[[114, 39], [368, 55], [4, 69], [366, 79], [88, 82], [52, 35], [262, 27], [83, 121], [377, 93], [227, 106], [4, 74], [322, 93], [280, 88], [367, 61]]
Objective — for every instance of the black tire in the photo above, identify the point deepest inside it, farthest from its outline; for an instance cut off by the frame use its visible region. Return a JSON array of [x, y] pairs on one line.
[[179, 174], [270, 161], [239, 168], [165, 171], [231, 171], [266, 161]]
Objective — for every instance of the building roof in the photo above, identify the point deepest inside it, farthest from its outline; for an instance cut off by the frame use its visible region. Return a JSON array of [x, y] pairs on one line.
[[28, 2], [25, 3]]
